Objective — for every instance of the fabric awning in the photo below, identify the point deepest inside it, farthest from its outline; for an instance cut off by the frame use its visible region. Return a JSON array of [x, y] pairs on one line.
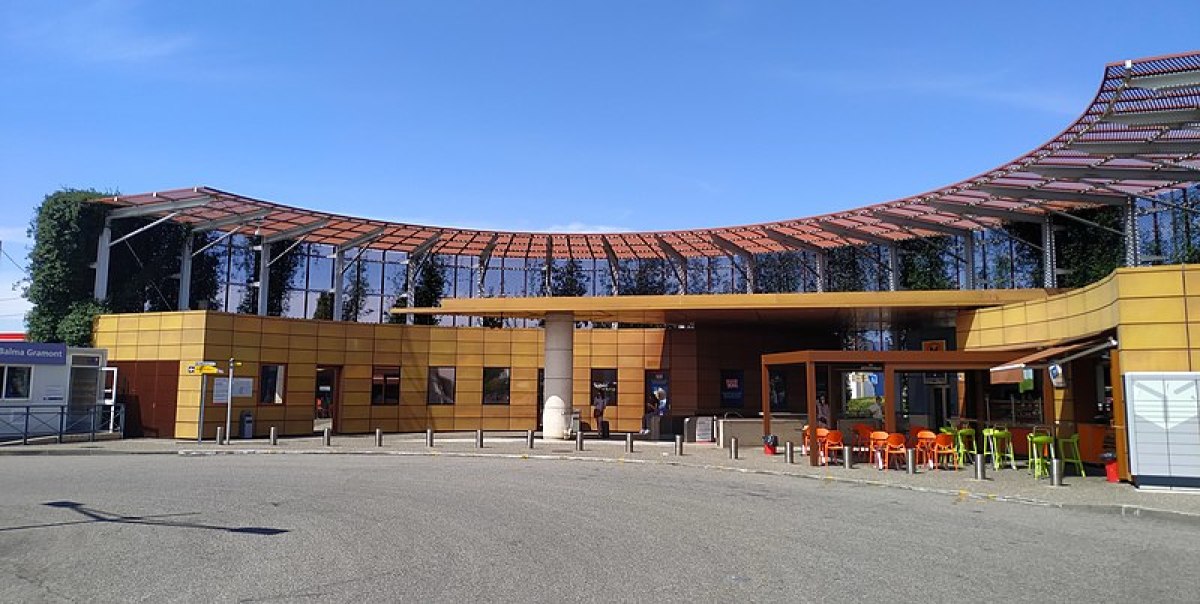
[[1010, 372]]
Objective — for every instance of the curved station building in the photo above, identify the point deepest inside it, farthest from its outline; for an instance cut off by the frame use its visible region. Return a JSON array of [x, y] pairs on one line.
[[501, 353]]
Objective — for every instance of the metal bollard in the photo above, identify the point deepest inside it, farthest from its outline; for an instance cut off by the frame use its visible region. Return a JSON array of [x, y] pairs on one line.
[[910, 461], [378, 437], [629, 442], [579, 440], [733, 448], [325, 437], [848, 458], [274, 436], [678, 444], [221, 435], [1056, 472], [428, 437], [479, 439], [980, 467], [789, 452], [529, 438]]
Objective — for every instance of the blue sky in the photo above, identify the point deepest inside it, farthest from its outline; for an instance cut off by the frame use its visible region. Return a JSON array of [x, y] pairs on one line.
[[543, 115]]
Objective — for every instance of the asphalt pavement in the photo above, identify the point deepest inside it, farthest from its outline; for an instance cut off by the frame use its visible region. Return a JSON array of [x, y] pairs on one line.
[[299, 528]]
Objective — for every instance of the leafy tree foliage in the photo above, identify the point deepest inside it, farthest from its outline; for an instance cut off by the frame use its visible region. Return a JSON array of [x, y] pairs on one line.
[[75, 329], [779, 272], [65, 230], [324, 309], [279, 277], [431, 282], [643, 277], [923, 263], [845, 271], [1089, 253], [568, 279]]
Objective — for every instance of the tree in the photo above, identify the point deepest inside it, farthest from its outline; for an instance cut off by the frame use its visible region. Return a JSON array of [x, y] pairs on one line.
[[923, 263], [1087, 252], [844, 271], [354, 296], [646, 277], [779, 272], [431, 282], [75, 329], [568, 280], [324, 309], [64, 230], [279, 278]]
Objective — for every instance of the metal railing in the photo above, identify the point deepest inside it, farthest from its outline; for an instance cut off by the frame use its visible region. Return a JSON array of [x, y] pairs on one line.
[[23, 422]]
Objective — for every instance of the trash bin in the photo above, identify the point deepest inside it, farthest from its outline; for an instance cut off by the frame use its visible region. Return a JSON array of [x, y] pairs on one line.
[[1110, 466], [770, 442], [247, 420]]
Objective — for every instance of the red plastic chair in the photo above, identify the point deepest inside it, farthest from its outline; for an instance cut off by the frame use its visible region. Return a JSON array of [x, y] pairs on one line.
[[913, 433], [896, 444], [833, 442]]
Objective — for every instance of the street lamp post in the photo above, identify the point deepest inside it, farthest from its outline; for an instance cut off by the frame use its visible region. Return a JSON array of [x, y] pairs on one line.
[[229, 401]]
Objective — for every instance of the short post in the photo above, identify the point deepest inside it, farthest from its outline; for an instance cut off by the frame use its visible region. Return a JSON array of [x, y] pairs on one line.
[[220, 435], [579, 440], [629, 442], [378, 437], [479, 439], [679, 445], [428, 437], [848, 458], [62, 422], [325, 437], [25, 431], [529, 439], [1056, 472], [980, 467], [274, 436], [733, 448], [910, 461], [92, 438], [789, 452]]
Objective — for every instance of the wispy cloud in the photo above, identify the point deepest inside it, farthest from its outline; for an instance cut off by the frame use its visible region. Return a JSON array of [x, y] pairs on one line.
[[100, 31], [998, 87], [583, 227]]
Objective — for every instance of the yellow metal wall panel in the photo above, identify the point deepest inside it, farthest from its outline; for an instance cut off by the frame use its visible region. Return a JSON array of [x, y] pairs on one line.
[[354, 426], [1151, 282], [1155, 360], [1151, 337], [331, 357], [1153, 310]]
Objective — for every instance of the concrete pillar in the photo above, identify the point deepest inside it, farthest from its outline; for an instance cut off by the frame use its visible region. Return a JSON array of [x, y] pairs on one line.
[[1132, 243], [1049, 259], [100, 288], [969, 257], [559, 364], [264, 277], [893, 268], [339, 269], [185, 273]]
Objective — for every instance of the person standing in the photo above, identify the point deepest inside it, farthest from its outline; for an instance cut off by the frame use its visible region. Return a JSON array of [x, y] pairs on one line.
[[598, 404]]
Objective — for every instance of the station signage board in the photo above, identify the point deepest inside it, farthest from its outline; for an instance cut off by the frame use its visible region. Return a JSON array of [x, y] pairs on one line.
[[31, 353]]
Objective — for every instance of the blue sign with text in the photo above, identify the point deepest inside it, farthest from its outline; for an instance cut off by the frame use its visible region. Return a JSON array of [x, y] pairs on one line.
[[28, 353]]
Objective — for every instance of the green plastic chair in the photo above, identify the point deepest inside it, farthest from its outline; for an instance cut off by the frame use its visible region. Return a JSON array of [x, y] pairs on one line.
[[1068, 448], [1002, 449], [961, 438], [1041, 451]]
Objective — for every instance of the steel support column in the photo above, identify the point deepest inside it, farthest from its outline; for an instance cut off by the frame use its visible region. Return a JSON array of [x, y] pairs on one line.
[[100, 288], [185, 273], [264, 277], [1049, 259], [893, 268], [751, 273], [1132, 243], [822, 270], [339, 270], [969, 257]]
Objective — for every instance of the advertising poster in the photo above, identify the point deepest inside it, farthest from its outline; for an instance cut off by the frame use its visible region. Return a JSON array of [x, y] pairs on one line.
[[732, 387]]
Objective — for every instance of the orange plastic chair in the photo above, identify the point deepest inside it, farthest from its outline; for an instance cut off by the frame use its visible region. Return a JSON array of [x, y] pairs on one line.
[[925, 440], [822, 434], [943, 446], [834, 441], [878, 444], [897, 444], [862, 440]]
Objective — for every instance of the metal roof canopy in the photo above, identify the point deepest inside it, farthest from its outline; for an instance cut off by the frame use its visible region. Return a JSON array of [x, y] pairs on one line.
[[1143, 115]]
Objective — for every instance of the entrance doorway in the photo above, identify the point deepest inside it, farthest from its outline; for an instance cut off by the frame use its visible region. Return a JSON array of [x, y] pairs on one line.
[[327, 399]]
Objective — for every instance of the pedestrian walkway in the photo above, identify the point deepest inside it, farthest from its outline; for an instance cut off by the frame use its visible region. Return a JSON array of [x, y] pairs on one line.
[[1085, 493]]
